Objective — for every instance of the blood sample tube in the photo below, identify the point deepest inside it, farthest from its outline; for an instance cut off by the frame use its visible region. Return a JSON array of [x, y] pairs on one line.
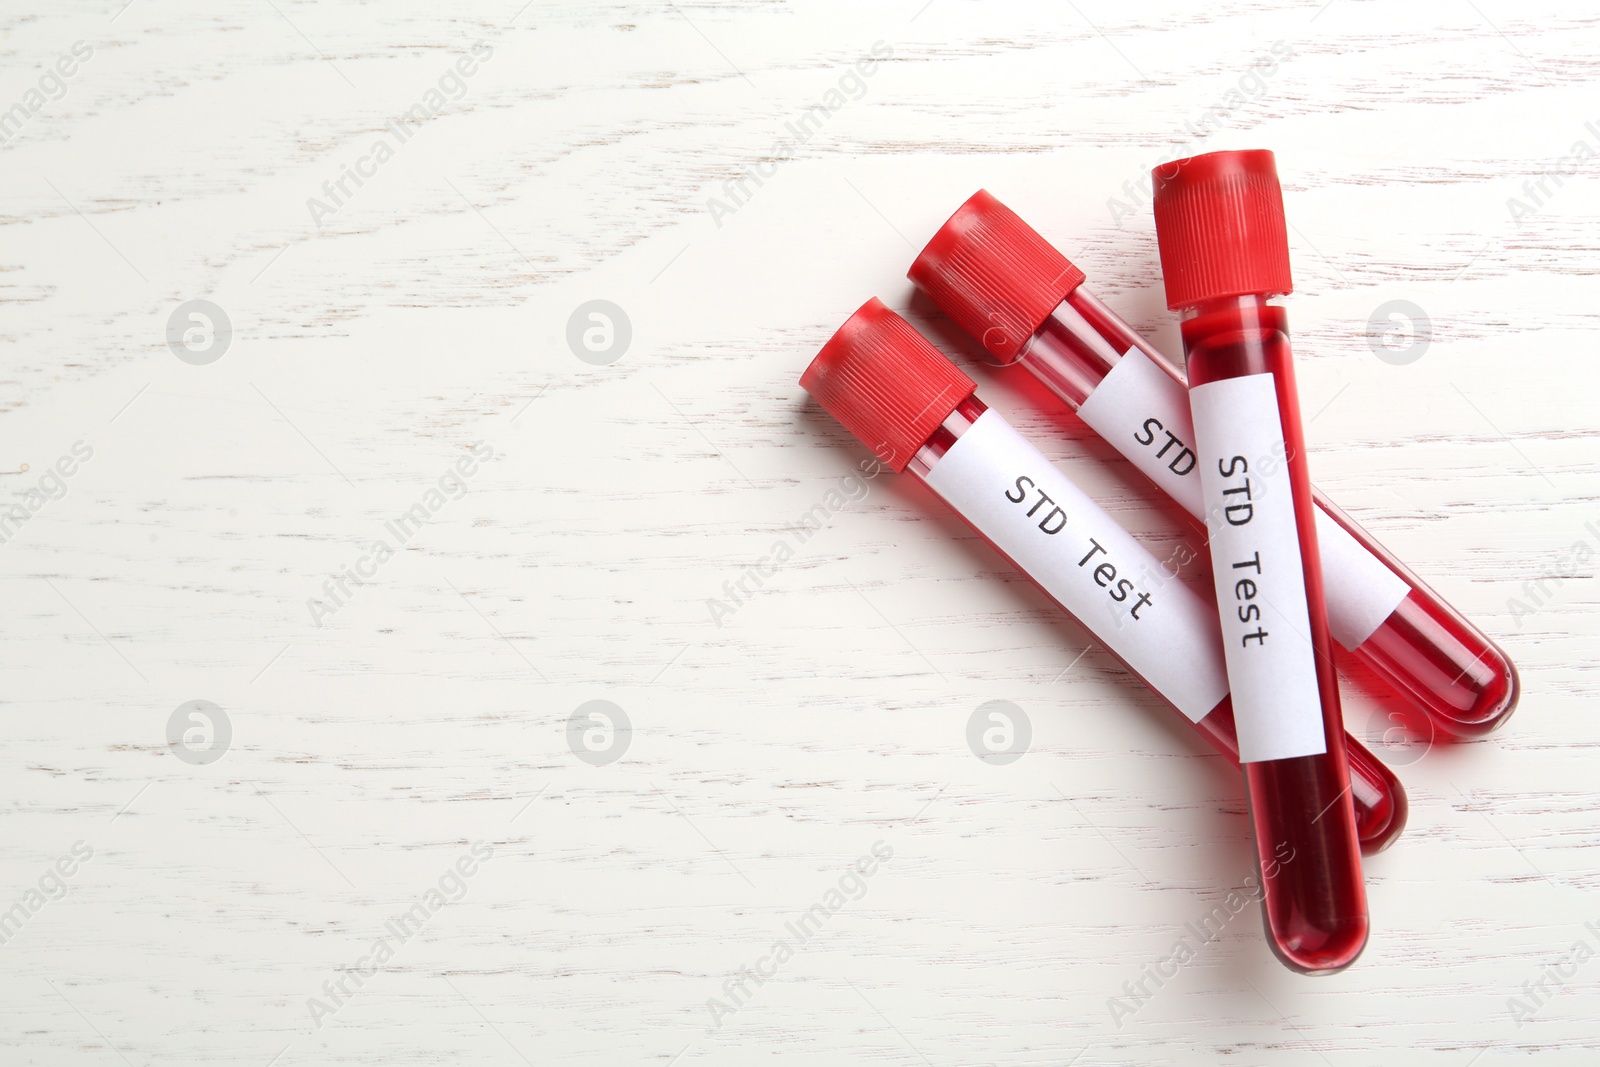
[[1224, 254], [915, 409], [1024, 302]]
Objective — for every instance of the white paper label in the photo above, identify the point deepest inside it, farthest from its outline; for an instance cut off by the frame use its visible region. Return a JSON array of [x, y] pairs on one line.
[[1092, 566], [1256, 564], [1360, 590], [1144, 414]]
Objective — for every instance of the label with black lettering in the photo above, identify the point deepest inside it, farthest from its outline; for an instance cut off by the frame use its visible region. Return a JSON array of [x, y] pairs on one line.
[[1086, 561], [1257, 568], [1143, 412]]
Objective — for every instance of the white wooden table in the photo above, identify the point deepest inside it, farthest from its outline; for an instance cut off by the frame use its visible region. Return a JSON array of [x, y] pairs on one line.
[[312, 888]]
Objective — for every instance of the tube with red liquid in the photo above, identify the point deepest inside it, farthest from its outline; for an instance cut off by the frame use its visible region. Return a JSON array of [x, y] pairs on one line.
[[914, 408], [1224, 253], [1025, 303]]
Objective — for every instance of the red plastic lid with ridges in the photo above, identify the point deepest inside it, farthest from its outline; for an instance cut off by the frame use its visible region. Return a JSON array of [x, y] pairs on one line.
[[994, 275], [885, 383], [1220, 226]]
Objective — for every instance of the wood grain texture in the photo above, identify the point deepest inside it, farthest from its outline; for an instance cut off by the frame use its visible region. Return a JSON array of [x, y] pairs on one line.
[[373, 347]]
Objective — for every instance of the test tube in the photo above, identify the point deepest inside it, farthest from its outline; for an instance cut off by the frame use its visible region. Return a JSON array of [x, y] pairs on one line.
[[916, 410], [1224, 256], [1026, 304]]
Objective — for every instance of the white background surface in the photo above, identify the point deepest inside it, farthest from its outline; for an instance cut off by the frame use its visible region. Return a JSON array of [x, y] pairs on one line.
[[830, 711]]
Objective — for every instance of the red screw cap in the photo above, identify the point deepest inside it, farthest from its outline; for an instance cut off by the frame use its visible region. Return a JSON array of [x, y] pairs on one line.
[[885, 383], [994, 275], [1219, 224]]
